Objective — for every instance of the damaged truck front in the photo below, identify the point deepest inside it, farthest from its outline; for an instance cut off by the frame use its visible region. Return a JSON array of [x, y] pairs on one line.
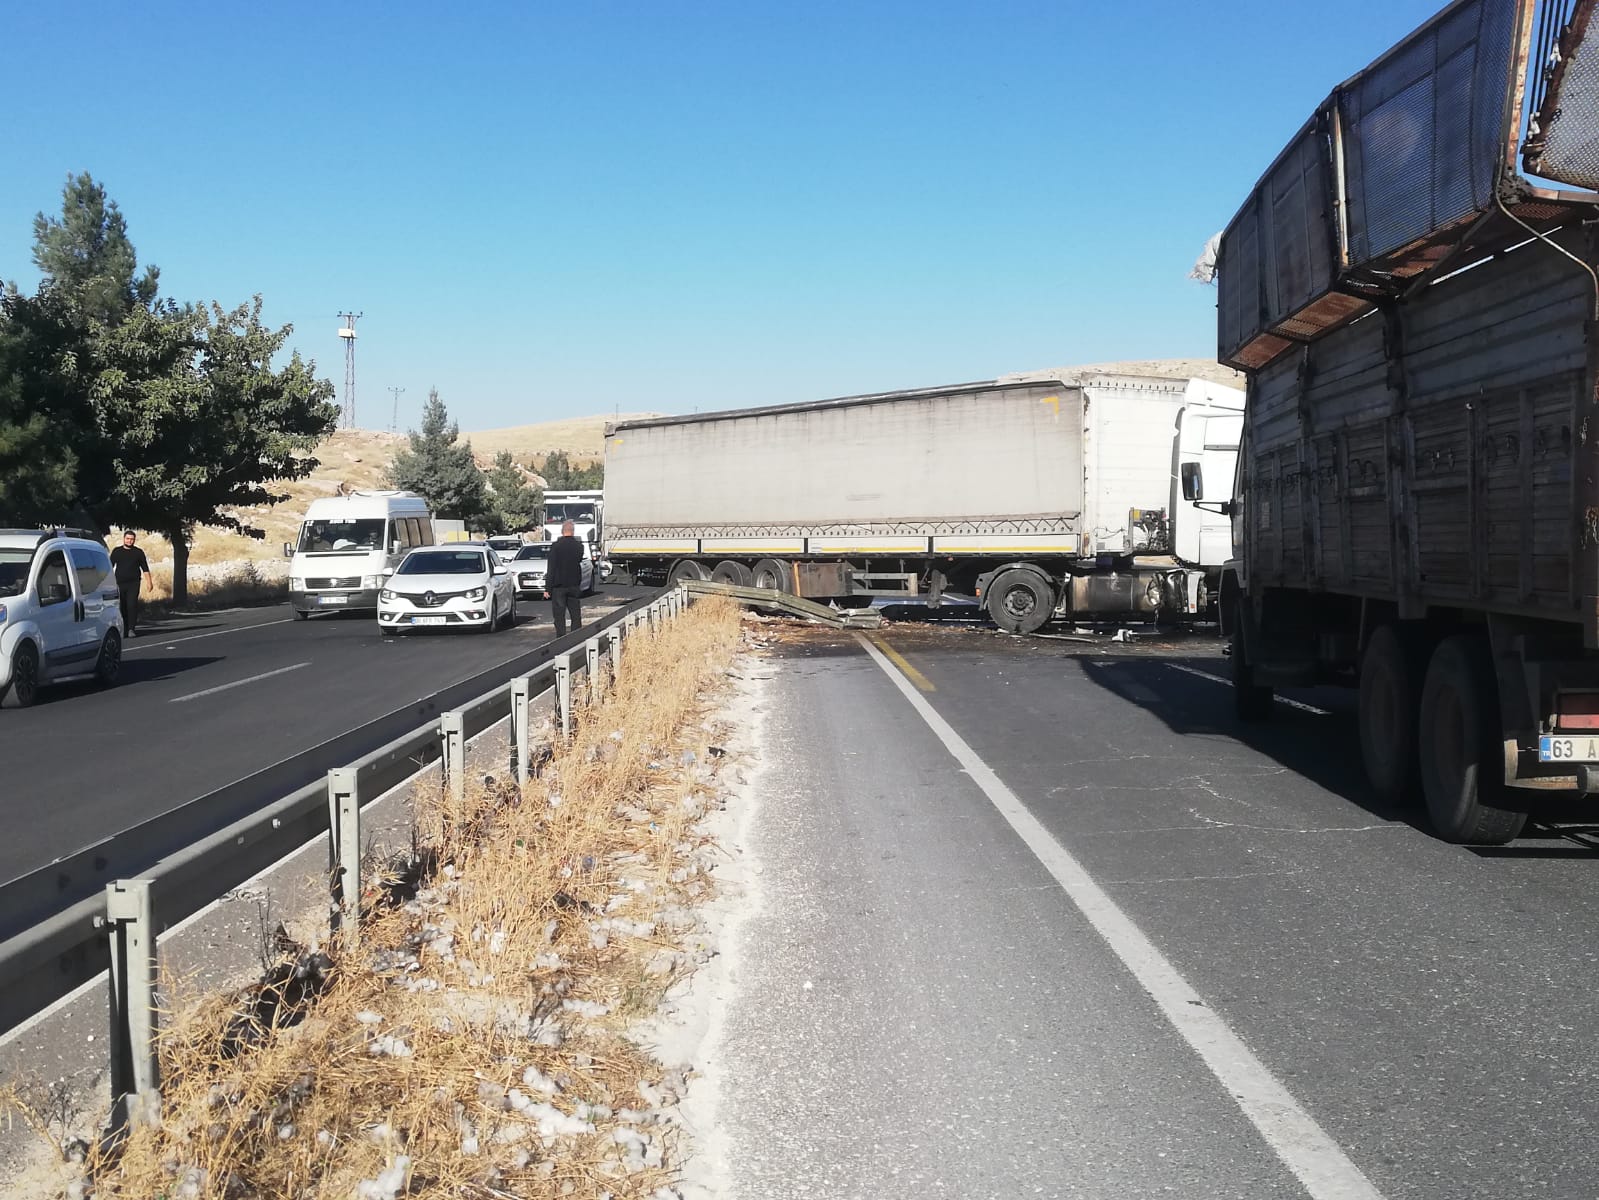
[[1412, 291]]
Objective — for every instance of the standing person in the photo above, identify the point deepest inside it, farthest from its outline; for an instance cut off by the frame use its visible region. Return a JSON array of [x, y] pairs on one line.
[[565, 578], [132, 568]]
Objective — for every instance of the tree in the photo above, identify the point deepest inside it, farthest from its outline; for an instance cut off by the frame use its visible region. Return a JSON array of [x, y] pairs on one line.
[[87, 253], [516, 503], [213, 425], [560, 475], [441, 470], [42, 424]]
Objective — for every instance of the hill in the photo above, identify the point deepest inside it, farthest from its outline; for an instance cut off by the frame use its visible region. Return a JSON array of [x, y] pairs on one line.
[[583, 438]]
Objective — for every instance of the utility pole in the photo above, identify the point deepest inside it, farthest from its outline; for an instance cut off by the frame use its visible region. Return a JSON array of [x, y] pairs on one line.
[[347, 335], [394, 425]]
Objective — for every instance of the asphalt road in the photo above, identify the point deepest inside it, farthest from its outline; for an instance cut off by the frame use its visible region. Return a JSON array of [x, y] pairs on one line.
[[924, 1008], [206, 700]]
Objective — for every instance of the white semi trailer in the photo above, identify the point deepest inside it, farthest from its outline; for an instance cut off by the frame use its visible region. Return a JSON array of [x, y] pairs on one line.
[[1042, 495]]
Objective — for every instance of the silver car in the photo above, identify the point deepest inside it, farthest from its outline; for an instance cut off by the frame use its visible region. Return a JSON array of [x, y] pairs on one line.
[[532, 564]]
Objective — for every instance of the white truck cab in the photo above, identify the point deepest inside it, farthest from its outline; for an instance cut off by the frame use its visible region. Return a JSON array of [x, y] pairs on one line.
[[586, 511], [348, 545], [60, 616]]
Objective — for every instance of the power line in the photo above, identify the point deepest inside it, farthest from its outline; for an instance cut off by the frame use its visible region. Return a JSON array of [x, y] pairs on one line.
[[394, 425], [347, 333]]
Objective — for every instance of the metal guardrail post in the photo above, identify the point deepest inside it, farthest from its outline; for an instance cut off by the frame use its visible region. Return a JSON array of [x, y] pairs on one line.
[[344, 852], [591, 656], [613, 638], [521, 727], [452, 729], [135, 1070], [563, 693]]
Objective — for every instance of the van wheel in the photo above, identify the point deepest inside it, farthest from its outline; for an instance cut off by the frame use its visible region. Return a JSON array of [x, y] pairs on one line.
[[1391, 672], [25, 675], [735, 573], [109, 665], [1019, 601], [301, 615], [1251, 701], [1462, 757], [772, 575]]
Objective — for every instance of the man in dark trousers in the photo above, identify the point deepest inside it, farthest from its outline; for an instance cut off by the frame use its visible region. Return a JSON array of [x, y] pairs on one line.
[[565, 578], [132, 568]]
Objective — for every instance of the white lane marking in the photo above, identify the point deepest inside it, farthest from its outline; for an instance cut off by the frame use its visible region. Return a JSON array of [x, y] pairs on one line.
[[1317, 1161], [168, 643], [1299, 704], [236, 683]]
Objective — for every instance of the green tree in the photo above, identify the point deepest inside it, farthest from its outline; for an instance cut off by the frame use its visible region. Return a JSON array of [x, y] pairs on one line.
[[42, 424], [560, 475], [87, 253], [443, 469], [516, 503], [213, 426]]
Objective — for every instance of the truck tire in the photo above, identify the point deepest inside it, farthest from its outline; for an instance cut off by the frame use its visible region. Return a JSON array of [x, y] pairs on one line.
[[687, 568], [1461, 754], [772, 574], [735, 573], [1019, 601], [1391, 673], [1251, 701]]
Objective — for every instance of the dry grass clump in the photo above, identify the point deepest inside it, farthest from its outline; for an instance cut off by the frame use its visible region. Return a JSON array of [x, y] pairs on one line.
[[236, 585], [476, 1044]]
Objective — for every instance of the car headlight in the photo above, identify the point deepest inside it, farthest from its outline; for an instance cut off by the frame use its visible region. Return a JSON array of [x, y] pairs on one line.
[[478, 593], [371, 581], [386, 594]]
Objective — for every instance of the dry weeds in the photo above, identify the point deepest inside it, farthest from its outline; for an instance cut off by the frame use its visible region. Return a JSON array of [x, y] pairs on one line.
[[476, 1044]]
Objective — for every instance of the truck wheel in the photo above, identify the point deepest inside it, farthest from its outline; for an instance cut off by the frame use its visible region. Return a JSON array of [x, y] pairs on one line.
[[1390, 685], [1251, 701], [1462, 759], [1019, 601], [687, 568], [732, 572], [773, 575]]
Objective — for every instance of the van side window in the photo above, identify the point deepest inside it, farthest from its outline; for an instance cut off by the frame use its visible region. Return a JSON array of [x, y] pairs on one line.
[[54, 586], [413, 534], [91, 565], [425, 529]]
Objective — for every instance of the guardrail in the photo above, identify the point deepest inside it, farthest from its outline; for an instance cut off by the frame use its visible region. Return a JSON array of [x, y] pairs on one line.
[[154, 884]]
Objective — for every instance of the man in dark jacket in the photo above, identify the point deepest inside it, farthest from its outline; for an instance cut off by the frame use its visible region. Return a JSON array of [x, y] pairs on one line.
[[565, 578], [132, 569]]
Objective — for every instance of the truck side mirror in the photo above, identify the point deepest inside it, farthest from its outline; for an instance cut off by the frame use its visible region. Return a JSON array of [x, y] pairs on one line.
[[1193, 481]]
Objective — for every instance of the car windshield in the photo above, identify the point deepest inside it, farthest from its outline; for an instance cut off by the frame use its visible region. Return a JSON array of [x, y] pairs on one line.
[[444, 562], [527, 552], [14, 571], [504, 543], [363, 533]]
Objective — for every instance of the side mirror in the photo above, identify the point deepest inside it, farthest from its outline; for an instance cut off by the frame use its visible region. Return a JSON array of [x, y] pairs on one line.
[[288, 549], [500, 569], [387, 571], [394, 546], [1193, 481]]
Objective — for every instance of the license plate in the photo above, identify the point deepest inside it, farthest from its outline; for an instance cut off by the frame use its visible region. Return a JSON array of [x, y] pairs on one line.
[[427, 620], [1568, 749], [332, 599]]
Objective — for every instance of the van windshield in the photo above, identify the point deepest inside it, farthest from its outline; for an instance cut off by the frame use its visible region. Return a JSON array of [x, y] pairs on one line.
[[356, 533], [14, 571]]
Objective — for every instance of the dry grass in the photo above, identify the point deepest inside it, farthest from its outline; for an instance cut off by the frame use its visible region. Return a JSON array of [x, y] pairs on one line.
[[235, 585], [583, 438], [477, 1045]]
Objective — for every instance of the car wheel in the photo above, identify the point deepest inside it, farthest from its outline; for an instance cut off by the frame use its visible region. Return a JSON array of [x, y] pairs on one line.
[[388, 630], [25, 675], [108, 666], [493, 622]]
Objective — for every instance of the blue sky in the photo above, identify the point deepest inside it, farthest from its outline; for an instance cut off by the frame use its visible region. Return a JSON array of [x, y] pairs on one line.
[[550, 210]]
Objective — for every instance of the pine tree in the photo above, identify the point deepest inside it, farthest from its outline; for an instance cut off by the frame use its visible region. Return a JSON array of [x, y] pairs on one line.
[[516, 503], [441, 470], [87, 253]]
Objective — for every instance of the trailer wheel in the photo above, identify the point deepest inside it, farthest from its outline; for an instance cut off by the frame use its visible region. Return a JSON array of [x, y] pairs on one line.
[[1251, 701], [773, 575], [1019, 601], [1462, 771], [735, 573], [687, 568], [1391, 673]]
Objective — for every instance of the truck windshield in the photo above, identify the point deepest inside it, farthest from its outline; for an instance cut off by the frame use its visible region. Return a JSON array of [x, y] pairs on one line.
[[14, 571], [444, 562], [356, 533], [569, 512]]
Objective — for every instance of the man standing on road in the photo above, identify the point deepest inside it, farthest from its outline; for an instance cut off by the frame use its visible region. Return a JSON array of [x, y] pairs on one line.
[[565, 579], [132, 568]]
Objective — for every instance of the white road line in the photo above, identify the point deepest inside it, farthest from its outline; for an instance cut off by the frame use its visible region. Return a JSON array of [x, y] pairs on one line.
[[162, 644], [236, 683], [1299, 704], [1317, 1161]]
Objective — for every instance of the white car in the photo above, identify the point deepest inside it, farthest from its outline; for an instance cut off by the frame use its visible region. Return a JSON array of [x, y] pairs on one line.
[[505, 546], [60, 612], [460, 585], [532, 564]]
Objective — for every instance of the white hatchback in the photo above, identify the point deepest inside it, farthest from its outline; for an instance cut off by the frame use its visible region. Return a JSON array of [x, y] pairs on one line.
[[461, 585], [60, 616]]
